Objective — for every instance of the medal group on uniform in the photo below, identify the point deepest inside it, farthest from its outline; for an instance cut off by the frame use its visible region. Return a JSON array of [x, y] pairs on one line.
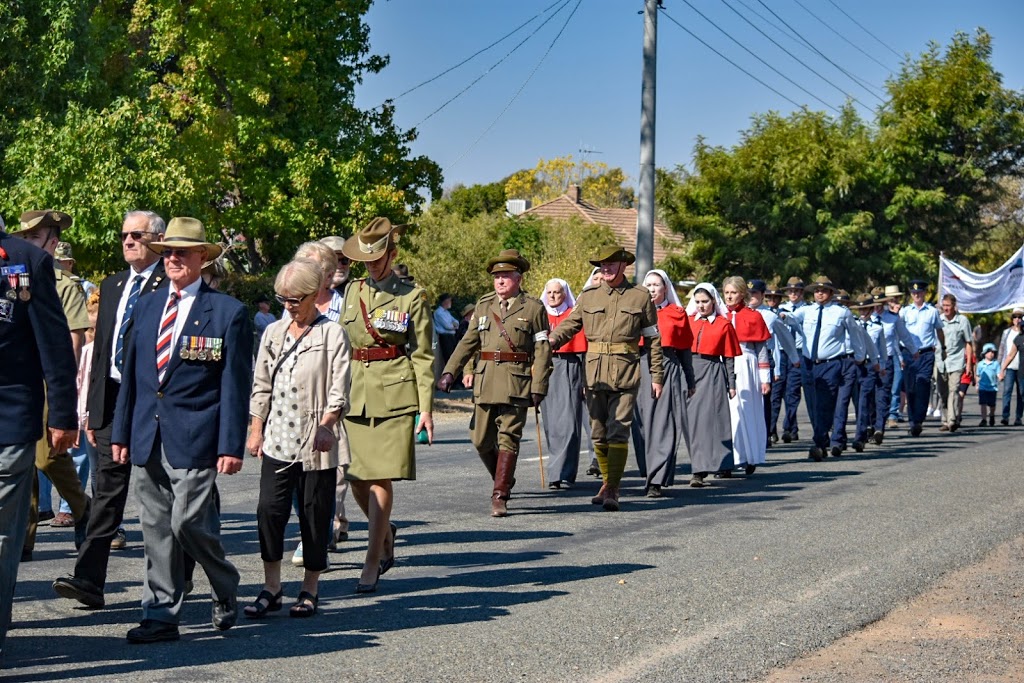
[[343, 387]]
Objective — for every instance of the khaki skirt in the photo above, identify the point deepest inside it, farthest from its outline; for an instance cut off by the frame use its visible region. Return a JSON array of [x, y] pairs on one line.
[[382, 448]]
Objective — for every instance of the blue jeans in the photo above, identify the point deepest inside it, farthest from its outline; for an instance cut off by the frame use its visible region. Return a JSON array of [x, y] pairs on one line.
[[897, 388], [1013, 384], [17, 467]]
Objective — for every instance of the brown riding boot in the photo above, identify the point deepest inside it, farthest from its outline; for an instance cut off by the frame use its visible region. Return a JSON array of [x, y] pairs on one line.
[[503, 482]]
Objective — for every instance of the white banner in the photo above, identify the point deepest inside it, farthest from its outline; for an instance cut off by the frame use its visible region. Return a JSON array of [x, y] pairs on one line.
[[999, 290]]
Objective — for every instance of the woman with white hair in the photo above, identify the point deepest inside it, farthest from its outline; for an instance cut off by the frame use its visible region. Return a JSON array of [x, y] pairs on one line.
[[714, 349], [563, 410], [660, 424]]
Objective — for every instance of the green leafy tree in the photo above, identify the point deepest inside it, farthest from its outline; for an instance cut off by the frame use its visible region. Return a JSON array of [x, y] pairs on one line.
[[601, 186], [239, 112], [476, 199]]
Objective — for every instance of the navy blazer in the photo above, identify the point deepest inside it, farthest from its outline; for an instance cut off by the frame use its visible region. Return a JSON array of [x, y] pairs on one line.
[[102, 393], [35, 343], [200, 411]]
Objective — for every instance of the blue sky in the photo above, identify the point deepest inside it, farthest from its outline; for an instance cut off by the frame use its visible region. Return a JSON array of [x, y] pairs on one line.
[[586, 92]]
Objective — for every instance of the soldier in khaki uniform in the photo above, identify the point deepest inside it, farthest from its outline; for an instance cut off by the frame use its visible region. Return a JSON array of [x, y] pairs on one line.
[[43, 228], [507, 362], [613, 316], [389, 324]]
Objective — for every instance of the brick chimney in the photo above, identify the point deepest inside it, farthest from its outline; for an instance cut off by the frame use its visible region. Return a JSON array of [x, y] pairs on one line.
[[574, 194]]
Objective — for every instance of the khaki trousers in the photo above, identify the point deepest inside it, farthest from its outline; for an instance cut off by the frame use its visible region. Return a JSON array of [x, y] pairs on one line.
[[497, 427], [950, 401], [60, 469], [611, 414]]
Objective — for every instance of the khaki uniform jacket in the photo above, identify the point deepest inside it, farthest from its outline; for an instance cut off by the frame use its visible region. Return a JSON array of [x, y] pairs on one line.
[[396, 386], [72, 298], [322, 378], [613, 319], [506, 383]]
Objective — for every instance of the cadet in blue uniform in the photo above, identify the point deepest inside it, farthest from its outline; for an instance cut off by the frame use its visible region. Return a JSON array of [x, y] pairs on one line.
[[925, 326], [773, 296], [824, 327], [873, 399], [794, 290]]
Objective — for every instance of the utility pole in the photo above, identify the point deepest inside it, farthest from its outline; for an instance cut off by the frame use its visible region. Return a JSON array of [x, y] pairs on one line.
[[645, 200]]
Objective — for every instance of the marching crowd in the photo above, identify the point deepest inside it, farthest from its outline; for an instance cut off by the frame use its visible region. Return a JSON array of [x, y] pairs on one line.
[[153, 378]]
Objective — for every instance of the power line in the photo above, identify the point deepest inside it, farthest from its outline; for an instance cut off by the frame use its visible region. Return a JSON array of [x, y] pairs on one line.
[[481, 51], [508, 54], [883, 43], [758, 58], [822, 54], [702, 42], [521, 87], [847, 40], [775, 26], [804, 64]]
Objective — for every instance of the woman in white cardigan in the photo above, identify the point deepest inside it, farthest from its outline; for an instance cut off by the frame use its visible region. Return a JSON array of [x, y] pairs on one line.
[[300, 395]]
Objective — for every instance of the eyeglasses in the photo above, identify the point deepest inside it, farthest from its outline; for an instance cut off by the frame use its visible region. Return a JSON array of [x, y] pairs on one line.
[[1016, 317], [178, 252], [136, 235], [342, 260], [290, 300]]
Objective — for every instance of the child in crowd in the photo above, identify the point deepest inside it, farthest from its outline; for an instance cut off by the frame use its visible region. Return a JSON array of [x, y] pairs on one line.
[[988, 381]]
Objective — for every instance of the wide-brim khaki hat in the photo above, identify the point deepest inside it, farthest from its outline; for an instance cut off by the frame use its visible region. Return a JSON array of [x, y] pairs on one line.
[[185, 232], [794, 283], [613, 254], [43, 218], [821, 282], [893, 291], [374, 241], [509, 260]]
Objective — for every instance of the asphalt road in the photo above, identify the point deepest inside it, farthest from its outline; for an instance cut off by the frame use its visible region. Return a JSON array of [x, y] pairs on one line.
[[716, 584]]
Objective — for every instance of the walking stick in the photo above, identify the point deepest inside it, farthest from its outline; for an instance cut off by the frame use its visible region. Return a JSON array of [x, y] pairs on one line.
[[540, 448]]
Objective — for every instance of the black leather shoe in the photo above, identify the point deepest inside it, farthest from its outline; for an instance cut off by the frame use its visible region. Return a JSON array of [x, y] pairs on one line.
[[816, 454], [878, 437], [786, 437], [750, 469], [150, 631], [225, 613], [915, 430], [82, 590], [858, 446], [837, 451]]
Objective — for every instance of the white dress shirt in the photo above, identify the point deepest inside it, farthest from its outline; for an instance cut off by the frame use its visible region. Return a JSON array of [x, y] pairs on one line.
[[122, 304]]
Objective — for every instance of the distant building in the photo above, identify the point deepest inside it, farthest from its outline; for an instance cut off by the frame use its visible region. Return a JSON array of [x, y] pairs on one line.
[[622, 222]]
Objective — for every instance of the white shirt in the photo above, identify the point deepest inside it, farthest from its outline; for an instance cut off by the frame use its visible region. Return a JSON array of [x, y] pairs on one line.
[[188, 297], [122, 304]]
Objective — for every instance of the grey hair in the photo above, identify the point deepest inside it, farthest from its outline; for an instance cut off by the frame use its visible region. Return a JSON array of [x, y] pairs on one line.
[[299, 277], [321, 253], [156, 223]]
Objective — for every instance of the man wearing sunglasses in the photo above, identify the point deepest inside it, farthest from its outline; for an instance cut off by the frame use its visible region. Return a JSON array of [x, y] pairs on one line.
[[119, 293]]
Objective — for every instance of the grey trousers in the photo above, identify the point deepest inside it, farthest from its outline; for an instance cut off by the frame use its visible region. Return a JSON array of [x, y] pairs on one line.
[[17, 471], [178, 515]]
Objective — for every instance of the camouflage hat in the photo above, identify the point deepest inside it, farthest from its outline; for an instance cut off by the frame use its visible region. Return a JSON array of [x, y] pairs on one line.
[[46, 218], [63, 252], [509, 260], [612, 254]]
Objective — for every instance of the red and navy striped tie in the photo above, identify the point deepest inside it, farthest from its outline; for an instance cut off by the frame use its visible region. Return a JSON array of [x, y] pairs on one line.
[[163, 339]]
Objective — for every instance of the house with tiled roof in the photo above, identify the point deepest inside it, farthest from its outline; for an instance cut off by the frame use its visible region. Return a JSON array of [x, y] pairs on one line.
[[621, 222]]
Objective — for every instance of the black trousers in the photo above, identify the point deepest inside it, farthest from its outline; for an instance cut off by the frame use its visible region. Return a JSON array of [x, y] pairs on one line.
[[315, 491], [111, 482]]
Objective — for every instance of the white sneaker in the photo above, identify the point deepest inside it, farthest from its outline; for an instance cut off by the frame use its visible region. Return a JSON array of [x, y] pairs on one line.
[[297, 555], [937, 413]]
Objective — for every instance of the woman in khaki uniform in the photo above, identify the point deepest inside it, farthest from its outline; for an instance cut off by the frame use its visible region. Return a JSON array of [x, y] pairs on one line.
[[389, 324]]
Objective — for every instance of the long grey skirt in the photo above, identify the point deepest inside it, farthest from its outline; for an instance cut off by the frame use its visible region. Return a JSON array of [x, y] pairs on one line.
[[710, 427], [564, 413], [659, 426]]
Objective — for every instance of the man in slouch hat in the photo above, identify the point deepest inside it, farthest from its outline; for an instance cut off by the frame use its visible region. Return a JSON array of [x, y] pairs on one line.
[[613, 317], [508, 336]]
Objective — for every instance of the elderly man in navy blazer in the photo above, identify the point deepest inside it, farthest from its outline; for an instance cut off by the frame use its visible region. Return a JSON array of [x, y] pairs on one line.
[[181, 419], [35, 348]]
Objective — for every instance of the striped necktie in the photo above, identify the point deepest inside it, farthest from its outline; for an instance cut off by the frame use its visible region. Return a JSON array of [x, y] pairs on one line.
[[126, 319], [163, 339]]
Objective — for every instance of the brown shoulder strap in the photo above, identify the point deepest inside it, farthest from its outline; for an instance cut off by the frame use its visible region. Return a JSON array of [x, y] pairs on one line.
[[366, 320], [502, 330]]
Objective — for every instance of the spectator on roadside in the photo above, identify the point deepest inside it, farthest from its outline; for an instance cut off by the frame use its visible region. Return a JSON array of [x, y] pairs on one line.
[[988, 384], [445, 325], [263, 317], [467, 315], [1013, 385]]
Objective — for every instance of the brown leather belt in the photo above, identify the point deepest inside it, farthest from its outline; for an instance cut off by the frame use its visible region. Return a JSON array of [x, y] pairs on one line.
[[372, 353], [505, 356]]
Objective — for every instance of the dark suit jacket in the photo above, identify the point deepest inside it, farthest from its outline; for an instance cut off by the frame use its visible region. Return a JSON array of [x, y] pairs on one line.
[[102, 393], [200, 410], [35, 345]]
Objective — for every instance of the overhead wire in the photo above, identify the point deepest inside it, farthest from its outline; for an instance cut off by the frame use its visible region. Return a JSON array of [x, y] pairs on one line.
[[880, 41], [822, 54], [805, 64], [508, 54], [708, 46], [758, 57], [521, 87], [508, 35], [852, 44]]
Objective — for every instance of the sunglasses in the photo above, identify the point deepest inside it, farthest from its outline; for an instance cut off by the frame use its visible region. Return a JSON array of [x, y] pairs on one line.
[[1016, 317], [178, 252], [290, 300], [342, 260], [136, 235]]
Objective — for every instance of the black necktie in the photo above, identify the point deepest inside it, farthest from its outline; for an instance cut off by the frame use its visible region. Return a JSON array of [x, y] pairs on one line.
[[817, 333]]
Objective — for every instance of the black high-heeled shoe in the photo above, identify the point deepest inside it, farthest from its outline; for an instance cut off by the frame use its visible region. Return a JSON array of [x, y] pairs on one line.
[[369, 587], [387, 564], [264, 602]]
